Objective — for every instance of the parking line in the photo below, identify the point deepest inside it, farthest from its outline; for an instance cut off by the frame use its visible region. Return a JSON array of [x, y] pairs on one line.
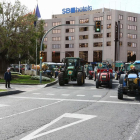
[[2, 105]]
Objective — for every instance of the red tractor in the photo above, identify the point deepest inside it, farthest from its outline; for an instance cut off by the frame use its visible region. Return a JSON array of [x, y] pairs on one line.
[[104, 75]]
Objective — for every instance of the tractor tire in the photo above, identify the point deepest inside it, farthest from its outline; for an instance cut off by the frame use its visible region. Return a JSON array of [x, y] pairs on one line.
[[120, 92], [66, 81], [84, 78], [61, 79], [80, 78], [110, 83], [122, 78], [97, 83]]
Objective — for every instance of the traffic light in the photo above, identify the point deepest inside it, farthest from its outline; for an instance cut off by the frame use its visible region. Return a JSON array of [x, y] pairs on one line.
[[41, 54], [97, 26], [116, 31]]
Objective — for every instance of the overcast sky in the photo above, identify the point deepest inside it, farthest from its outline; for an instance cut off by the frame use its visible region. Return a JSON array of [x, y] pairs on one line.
[[49, 7]]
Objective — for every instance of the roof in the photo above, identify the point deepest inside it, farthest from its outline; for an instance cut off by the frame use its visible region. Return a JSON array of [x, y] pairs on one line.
[[138, 61]]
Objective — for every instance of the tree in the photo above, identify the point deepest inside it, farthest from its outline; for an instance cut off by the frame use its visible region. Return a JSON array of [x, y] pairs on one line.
[[18, 34]]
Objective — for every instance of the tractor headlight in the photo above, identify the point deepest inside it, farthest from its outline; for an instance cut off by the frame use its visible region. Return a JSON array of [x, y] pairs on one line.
[[104, 76]]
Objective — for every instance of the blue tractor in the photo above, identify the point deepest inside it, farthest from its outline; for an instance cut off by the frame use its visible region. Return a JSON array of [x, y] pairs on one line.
[[131, 82]]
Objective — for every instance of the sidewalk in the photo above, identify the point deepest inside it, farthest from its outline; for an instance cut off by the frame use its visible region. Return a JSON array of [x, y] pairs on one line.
[[25, 88]]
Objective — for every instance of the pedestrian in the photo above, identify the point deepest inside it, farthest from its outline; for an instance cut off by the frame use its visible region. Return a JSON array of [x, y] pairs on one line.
[[7, 77]]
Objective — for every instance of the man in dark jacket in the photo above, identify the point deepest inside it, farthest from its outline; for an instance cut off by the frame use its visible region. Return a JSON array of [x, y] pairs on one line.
[[7, 77]]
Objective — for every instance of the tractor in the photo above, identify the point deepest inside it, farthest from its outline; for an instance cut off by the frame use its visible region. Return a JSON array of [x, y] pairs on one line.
[[130, 83], [88, 71], [104, 75], [72, 71]]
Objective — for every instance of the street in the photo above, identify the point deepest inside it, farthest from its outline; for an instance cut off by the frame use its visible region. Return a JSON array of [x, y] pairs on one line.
[[70, 112]]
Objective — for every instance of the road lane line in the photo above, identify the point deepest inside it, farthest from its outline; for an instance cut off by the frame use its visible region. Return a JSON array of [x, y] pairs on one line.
[[65, 94], [80, 95], [97, 96], [113, 96], [77, 100], [135, 131], [2, 105], [30, 110], [130, 97]]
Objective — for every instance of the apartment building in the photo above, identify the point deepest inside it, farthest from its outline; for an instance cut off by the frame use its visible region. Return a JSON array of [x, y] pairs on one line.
[[82, 40]]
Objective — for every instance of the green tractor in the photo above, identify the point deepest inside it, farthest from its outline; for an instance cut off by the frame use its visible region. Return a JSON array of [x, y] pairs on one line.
[[72, 71]]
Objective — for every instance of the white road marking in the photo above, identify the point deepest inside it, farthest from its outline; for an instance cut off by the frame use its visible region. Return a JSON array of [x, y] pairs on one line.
[[97, 96], [92, 88], [65, 94], [50, 94], [30, 110], [80, 95], [113, 96], [76, 100], [2, 105], [130, 97], [36, 93], [135, 131], [82, 118]]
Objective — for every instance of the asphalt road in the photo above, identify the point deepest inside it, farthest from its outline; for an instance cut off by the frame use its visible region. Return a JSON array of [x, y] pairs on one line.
[[70, 112]]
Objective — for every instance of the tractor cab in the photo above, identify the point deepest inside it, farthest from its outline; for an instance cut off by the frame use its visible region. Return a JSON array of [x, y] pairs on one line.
[[89, 71]]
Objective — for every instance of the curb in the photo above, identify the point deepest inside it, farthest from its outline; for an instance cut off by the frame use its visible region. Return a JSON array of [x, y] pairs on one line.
[[52, 83]]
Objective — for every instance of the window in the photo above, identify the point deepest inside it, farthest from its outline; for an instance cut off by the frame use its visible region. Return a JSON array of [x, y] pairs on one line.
[[131, 56], [108, 43], [108, 26], [56, 57], [83, 55], [97, 56], [108, 17], [81, 29], [69, 37], [132, 27], [97, 44], [56, 23], [69, 45], [108, 34], [70, 30], [56, 38], [98, 36], [121, 17], [70, 22], [121, 26], [56, 31], [81, 21], [98, 18], [83, 45], [134, 19], [121, 35], [81, 37], [132, 36], [45, 39], [56, 46], [131, 44]]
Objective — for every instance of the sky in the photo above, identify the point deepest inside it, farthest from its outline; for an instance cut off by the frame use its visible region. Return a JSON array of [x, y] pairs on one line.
[[49, 7]]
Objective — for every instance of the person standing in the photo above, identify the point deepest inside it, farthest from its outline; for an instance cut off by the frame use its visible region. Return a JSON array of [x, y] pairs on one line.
[[7, 77]]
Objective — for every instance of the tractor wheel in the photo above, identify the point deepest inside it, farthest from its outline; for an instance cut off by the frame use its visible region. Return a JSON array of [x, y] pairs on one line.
[[120, 92], [97, 83], [83, 78], [80, 78], [66, 81], [61, 79], [110, 83]]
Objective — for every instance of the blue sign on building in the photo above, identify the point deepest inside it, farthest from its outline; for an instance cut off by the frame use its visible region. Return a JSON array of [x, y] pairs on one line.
[[75, 9]]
